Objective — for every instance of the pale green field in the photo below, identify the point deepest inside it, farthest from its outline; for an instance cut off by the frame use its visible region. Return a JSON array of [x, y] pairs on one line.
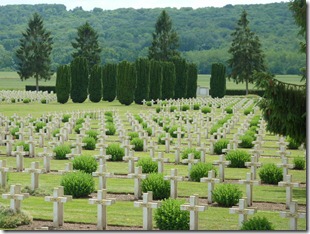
[[11, 80]]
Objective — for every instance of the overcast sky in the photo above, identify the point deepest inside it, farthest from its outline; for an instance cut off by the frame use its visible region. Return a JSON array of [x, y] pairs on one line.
[[114, 4]]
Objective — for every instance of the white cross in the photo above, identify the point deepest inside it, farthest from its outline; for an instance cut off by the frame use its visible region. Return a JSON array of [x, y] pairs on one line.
[[179, 133], [212, 141], [131, 161], [211, 180], [253, 164], [147, 204], [3, 173], [16, 197], [72, 154], [68, 168], [160, 160], [193, 207], [103, 175], [203, 149], [249, 182], [285, 165], [19, 153], [78, 144], [9, 142], [102, 156], [177, 153], [235, 141], [127, 147], [46, 158], [174, 178], [167, 140], [191, 160], [137, 176], [293, 215], [35, 172], [289, 188], [102, 202], [242, 211], [58, 200], [221, 163], [152, 147]]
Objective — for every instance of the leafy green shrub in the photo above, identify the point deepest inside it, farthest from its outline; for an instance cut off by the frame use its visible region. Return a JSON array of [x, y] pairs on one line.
[[43, 101], [78, 184], [196, 106], [14, 131], [238, 158], [108, 113], [185, 107], [257, 223], [13, 100], [292, 144], [157, 109], [138, 118], [175, 128], [160, 141], [133, 135], [137, 143], [79, 121], [109, 119], [26, 100], [251, 133], [299, 163], [188, 151], [173, 108], [246, 141], [11, 219], [248, 110], [215, 128], [77, 128], [220, 145], [22, 143], [148, 103], [201, 170], [255, 121], [93, 133], [169, 216], [90, 143], [226, 195], [110, 129], [149, 131], [61, 151], [156, 183], [206, 110], [85, 163], [148, 166], [65, 118], [55, 132], [39, 125], [253, 129], [270, 174], [117, 153], [229, 110]]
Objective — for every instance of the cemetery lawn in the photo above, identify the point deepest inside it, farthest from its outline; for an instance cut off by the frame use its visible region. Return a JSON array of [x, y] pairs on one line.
[[270, 199]]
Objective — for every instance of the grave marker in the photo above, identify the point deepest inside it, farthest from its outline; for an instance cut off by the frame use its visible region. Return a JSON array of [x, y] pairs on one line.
[[160, 161], [249, 182], [289, 185], [137, 176], [103, 174], [3, 173], [242, 211], [35, 172], [190, 161], [174, 178], [211, 180], [15, 197], [19, 153], [221, 163], [293, 215]]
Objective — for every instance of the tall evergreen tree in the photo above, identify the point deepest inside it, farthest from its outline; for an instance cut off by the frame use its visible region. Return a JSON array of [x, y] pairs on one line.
[[143, 80], [218, 80], [86, 45], [165, 40], [246, 53], [79, 80], [156, 78], [192, 77], [63, 83], [33, 55], [95, 84], [109, 71], [180, 88], [168, 82]]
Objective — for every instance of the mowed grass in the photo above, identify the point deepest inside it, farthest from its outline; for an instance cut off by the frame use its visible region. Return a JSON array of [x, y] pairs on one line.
[[11, 81]]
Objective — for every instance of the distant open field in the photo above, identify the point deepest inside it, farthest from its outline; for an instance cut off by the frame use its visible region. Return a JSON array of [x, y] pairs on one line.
[[11, 80]]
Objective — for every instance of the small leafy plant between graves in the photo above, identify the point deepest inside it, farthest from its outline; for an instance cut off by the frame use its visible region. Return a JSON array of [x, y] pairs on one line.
[[55, 132], [22, 143], [196, 106], [246, 141], [10, 219], [206, 110], [77, 128], [270, 174], [39, 125], [201, 170], [188, 151], [90, 143], [116, 151], [92, 133], [292, 144], [65, 118], [61, 151], [226, 195], [148, 166], [85, 163], [169, 216], [156, 183], [133, 135], [220, 145], [238, 158], [110, 129], [138, 144], [175, 128], [257, 223], [299, 163], [185, 107], [13, 132]]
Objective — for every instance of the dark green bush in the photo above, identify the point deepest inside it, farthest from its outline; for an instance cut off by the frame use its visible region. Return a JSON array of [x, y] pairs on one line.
[[55, 132], [85, 163], [93, 133], [138, 144], [157, 109], [206, 110], [169, 216], [248, 110], [148, 166], [238, 158], [292, 144], [22, 143], [173, 108], [220, 145], [255, 121], [156, 183], [188, 151], [61, 151], [175, 128], [201, 170], [108, 113], [39, 125], [133, 135], [117, 153], [111, 130], [148, 103], [11, 219], [90, 143], [226, 195], [65, 118], [185, 107], [26, 100], [196, 106], [246, 141], [215, 128], [299, 163], [14, 131], [257, 223], [77, 128], [149, 131], [160, 141], [270, 174], [79, 121], [78, 184], [229, 110]]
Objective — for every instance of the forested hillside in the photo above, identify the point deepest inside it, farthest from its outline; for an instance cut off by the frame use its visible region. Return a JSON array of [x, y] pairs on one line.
[[126, 34]]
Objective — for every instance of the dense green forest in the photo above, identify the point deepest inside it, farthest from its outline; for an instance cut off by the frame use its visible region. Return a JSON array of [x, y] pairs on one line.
[[126, 34]]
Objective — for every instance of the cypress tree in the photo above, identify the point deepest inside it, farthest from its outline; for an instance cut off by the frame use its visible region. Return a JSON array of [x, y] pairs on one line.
[[192, 76], [143, 80], [180, 90], [218, 80], [168, 82], [95, 84], [126, 82], [63, 83], [109, 71], [79, 80], [156, 78]]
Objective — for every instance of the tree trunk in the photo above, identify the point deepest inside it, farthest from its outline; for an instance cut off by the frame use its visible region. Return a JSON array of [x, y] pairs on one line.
[[246, 87], [37, 83]]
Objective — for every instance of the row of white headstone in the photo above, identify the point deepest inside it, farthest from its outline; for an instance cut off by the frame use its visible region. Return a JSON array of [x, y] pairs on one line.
[[6, 96]]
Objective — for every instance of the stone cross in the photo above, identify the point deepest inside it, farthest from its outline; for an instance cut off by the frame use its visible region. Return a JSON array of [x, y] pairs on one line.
[[283, 153], [293, 215], [145, 138], [79, 144], [167, 140], [137, 176], [21, 134], [9, 143], [189, 141], [58, 200], [193, 209], [152, 147], [190, 161], [160, 161], [257, 152], [254, 165], [177, 153], [46, 159], [174, 178], [212, 142], [15, 197], [221, 163], [289, 188], [102, 156], [101, 144], [203, 149], [35, 172], [198, 134], [54, 142], [19, 153], [31, 143], [131, 161], [235, 141], [242, 211], [127, 147], [68, 168], [41, 135], [179, 135], [73, 153], [3, 173], [147, 204], [211, 180], [249, 182], [102, 202], [285, 165], [103, 175]]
